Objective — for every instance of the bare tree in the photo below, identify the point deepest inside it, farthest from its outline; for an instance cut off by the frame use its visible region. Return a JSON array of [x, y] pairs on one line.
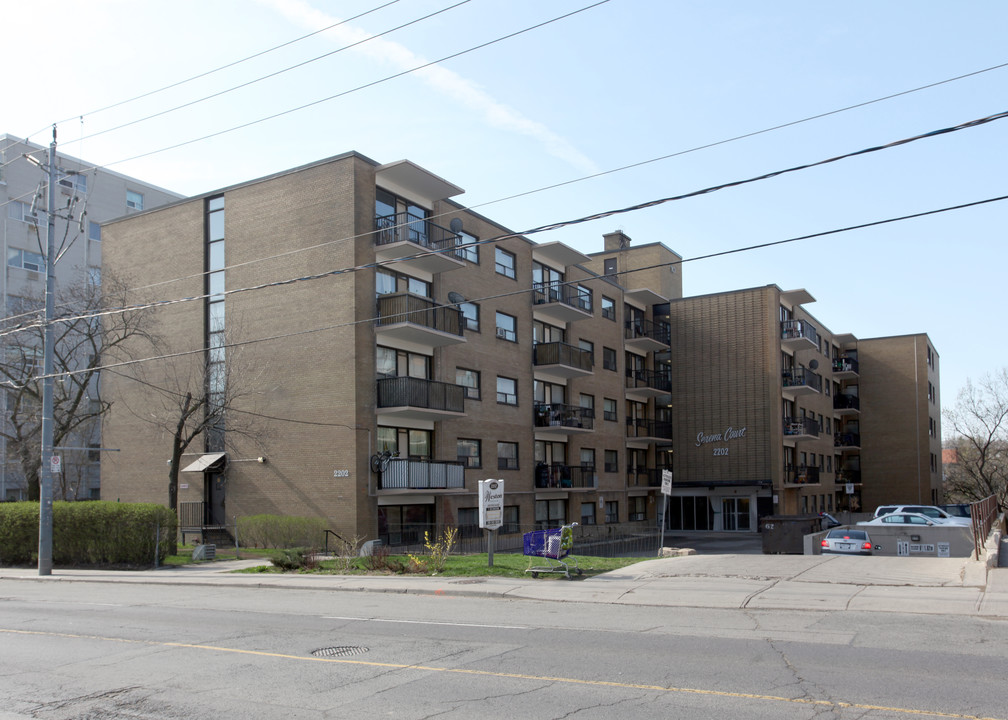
[[195, 398], [979, 421], [84, 339]]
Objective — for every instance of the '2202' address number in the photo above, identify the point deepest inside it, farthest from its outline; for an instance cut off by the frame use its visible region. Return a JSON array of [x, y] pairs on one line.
[[720, 451]]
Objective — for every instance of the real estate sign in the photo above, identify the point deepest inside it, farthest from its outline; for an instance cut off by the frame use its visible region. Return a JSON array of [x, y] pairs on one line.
[[491, 504]]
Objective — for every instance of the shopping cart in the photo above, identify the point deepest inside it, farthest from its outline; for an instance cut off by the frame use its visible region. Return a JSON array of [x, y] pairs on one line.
[[554, 545]]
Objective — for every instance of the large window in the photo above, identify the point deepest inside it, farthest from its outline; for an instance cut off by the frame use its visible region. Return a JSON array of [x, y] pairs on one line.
[[405, 442], [390, 362], [468, 452], [25, 260], [608, 358], [17, 210], [470, 380], [470, 313], [388, 282], [587, 513], [504, 263], [215, 338], [507, 390], [507, 327], [611, 461], [609, 410], [550, 513], [608, 308], [507, 455], [468, 249]]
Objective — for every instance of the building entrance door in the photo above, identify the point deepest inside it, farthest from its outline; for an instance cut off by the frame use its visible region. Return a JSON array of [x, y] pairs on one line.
[[735, 513]]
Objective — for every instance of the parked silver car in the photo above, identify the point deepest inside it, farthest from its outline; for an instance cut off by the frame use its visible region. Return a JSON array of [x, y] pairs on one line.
[[902, 518], [935, 513], [846, 541]]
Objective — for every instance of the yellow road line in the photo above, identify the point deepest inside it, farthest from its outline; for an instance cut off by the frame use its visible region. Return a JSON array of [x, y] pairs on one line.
[[515, 676]]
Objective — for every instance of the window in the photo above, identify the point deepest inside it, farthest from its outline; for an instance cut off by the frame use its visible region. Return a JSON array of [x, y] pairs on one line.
[[608, 358], [404, 442], [506, 327], [587, 402], [94, 454], [583, 297], [470, 313], [134, 200], [611, 511], [468, 452], [468, 522], [94, 231], [608, 308], [390, 362], [470, 380], [468, 249], [25, 259], [94, 276], [388, 282], [611, 461], [507, 391], [638, 510], [504, 263], [587, 513], [550, 513], [609, 266], [507, 456], [17, 210], [510, 524], [609, 410], [589, 347], [588, 462]]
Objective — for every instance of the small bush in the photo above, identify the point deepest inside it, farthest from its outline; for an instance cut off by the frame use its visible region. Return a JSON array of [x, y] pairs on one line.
[[295, 559]]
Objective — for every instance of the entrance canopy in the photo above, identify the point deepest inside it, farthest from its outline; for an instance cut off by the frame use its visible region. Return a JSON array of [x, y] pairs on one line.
[[208, 461]]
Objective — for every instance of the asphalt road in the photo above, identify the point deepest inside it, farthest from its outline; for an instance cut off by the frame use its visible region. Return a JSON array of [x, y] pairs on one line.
[[105, 651]]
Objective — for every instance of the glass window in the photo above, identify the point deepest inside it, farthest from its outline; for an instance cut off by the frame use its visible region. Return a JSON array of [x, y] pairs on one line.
[[468, 452], [587, 401], [587, 513], [94, 231], [550, 513], [25, 259], [504, 263], [385, 282], [470, 380], [611, 511], [470, 311], [506, 327], [611, 460], [420, 443], [507, 456], [584, 297], [608, 358], [468, 249], [609, 409], [507, 391], [134, 200], [589, 347], [418, 287], [385, 362], [608, 308], [510, 520]]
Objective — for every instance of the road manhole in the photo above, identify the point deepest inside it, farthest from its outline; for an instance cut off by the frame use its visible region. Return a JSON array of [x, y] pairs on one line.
[[339, 651]]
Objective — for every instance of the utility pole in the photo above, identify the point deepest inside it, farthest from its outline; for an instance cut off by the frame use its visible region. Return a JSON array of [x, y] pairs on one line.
[[45, 481]]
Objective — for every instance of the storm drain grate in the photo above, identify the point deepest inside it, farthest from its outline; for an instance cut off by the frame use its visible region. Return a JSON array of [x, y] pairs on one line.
[[339, 651]]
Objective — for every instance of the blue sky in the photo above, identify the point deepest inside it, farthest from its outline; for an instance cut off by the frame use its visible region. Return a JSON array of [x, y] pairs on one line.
[[621, 83]]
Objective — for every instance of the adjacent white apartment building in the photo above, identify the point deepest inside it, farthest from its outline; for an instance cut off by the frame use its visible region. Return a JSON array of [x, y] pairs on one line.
[[101, 195]]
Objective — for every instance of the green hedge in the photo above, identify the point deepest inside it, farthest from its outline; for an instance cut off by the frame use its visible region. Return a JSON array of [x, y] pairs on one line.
[[280, 531], [89, 533]]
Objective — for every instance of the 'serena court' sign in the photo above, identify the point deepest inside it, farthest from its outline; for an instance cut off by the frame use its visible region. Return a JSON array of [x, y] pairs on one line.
[[729, 433]]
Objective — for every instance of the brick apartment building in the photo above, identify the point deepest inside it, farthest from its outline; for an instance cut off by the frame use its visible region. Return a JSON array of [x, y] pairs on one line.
[[399, 348]]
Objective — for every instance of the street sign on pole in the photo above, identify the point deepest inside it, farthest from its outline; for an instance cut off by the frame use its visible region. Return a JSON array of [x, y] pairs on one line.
[[491, 511], [666, 488], [666, 482]]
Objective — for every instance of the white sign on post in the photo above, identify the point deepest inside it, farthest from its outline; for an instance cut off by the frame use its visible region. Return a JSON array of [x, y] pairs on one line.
[[55, 463], [491, 504], [666, 482]]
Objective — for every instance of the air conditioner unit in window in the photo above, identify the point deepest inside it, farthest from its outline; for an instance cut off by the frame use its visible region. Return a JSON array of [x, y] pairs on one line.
[[502, 333]]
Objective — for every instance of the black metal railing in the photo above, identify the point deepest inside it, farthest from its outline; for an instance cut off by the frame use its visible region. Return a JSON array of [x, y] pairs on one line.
[[800, 426], [420, 393], [801, 377], [557, 475], [846, 402], [560, 415], [845, 364], [659, 332], [418, 310], [847, 439], [559, 292], [407, 227], [560, 353], [643, 427], [648, 379], [639, 476], [801, 475], [418, 474], [798, 329]]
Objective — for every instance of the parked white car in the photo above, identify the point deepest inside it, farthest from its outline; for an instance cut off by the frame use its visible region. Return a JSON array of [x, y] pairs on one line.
[[902, 518], [935, 513]]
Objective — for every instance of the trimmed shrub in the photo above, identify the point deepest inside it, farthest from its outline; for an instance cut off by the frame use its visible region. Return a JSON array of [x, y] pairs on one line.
[[89, 533], [280, 531]]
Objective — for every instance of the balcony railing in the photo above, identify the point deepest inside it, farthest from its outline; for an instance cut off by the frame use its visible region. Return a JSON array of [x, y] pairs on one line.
[[411, 474], [801, 378], [638, 476], [636, 379], [559, 292], [558, 415], [851, 440], [845, 365], [559, 353], [420, 393], [846, 402], [849, 476], [801, 475], [564, 476], [801, 426], [418, 310], [639, 329], [646, 428], [406, 227], [796, 331]]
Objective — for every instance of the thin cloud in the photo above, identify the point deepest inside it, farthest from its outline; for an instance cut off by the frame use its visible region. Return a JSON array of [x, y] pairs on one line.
[[442, 80]]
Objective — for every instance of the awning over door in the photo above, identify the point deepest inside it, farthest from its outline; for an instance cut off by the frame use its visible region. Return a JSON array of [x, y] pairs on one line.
[[208, 461]]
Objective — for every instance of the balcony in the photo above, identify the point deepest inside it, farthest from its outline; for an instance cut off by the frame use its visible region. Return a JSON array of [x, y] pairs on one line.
[[847, 441], [405, 317], [638, 476], [560, 303], [845, 367], [411, 398], [846, 404], [566, 419], [798, 335], [650, 431], [800, 428], [410, 474], [849, 476], [562, 360], [643, 384], [800, 381], [646, 336], [416, 243], [800, 475], [564, 476]]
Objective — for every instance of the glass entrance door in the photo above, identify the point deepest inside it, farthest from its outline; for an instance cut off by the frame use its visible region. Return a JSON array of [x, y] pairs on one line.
[[735, 513]]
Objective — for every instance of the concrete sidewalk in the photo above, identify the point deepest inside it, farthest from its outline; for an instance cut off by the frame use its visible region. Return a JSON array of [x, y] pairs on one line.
[[948, 586]]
